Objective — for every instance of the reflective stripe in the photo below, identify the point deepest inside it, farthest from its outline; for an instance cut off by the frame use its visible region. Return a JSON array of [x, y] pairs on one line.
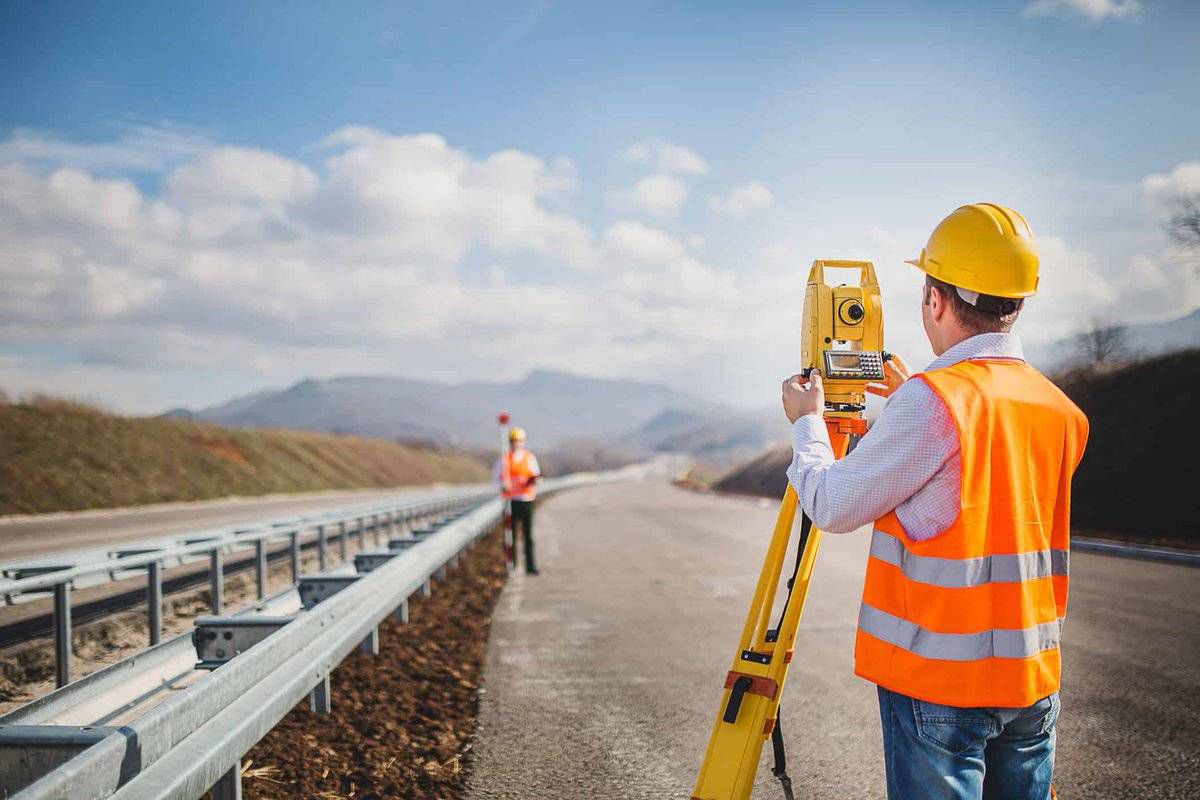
[[996, 643], [955, 573]]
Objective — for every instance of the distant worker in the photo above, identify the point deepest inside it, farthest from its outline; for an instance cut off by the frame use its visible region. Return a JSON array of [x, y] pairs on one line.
[[966, 477], [520, 467]]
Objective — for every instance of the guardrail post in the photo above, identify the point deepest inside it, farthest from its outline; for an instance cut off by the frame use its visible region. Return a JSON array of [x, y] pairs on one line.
[[295, 542], [154, 601], [401, 613], [370, 645], [229, 786], [345, 545], [260, 567], [321, 543], [216, 582], [62, 633], [427, 588], [375, 528], [320, 698]]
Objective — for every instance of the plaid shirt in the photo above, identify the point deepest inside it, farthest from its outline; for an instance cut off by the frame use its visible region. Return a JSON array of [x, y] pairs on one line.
[[909, 461]]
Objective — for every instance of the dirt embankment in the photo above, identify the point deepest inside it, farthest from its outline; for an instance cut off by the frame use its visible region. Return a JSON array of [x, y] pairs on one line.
[[764, 476], [1137, 478], [62, 456], [402, 721]]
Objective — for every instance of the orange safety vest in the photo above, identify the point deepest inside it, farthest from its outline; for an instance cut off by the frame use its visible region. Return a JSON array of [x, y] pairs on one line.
[[972, 617], [520, 470]]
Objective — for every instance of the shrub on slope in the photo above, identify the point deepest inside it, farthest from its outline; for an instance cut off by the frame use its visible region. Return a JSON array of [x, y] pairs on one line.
[[1138, 476]]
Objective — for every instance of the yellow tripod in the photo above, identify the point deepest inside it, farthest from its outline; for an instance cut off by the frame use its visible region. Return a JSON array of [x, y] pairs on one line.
[[843, 335]]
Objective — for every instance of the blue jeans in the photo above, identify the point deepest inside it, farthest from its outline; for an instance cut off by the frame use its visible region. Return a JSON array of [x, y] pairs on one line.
[[936, 752]]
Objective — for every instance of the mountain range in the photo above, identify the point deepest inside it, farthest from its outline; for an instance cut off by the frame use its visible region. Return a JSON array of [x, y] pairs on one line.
[[556, 407]]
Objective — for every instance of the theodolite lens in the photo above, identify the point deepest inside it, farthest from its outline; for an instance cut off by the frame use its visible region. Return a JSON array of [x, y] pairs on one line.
[[852, 312]]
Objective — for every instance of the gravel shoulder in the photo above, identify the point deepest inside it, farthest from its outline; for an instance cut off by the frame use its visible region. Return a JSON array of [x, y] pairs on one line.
[[403, 721]]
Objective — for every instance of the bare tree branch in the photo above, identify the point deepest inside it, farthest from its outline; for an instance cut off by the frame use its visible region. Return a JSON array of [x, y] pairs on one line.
[[1184, 225], [1102, 343]]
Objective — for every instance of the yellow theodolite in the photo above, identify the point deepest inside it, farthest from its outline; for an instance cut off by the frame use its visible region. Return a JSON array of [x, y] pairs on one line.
[[842, 335]]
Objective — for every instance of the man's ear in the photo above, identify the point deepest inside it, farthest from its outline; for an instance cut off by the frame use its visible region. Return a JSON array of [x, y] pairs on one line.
[[938, 303]]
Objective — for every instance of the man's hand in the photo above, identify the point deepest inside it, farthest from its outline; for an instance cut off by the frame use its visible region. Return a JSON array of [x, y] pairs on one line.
[[803, 395], [895, 372]]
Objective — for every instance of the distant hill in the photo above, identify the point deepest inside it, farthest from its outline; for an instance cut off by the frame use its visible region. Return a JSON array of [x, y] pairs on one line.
[[62, 456], [560, 410], [710, 432], [1161, 337], [765, 475]]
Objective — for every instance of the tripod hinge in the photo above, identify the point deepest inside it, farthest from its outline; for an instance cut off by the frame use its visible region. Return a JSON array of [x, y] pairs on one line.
[[758, 685]]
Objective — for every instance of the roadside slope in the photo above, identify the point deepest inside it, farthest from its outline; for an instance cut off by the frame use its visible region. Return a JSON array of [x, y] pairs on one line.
[[62, 456]]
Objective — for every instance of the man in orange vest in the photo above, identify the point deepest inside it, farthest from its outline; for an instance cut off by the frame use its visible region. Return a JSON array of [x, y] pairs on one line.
[[516, 473], [966, 478]]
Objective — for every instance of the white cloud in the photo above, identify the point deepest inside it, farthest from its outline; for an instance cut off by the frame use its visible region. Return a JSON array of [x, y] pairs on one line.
[[633, 241], [660, 195], [742, 200], [237, 174], [1163, 189], [416, 196], [138, 148], [675, 158], [638, 151], [667, 156], [1092, 11]]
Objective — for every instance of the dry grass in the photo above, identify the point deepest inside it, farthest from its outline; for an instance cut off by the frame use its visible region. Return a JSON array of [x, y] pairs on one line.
[[62, 455]]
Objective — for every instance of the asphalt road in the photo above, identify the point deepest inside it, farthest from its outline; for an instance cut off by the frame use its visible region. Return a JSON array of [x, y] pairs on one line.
[[44, 534], [603, 674]]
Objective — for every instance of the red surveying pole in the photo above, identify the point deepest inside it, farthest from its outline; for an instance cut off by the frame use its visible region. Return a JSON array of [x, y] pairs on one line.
[[510, 554]]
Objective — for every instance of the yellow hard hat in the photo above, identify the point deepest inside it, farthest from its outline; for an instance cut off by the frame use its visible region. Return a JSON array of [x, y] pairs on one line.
[[984, 248], [516, 434]]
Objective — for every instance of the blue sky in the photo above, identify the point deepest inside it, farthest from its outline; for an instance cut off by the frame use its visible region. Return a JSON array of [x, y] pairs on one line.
[[205, 199]]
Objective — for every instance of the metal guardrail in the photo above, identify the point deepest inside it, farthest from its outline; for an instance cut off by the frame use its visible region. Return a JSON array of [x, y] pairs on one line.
[[153, 555], [1146, 552], [193, 741]]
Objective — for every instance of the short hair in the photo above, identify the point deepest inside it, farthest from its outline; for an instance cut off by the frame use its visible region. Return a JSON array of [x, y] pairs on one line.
[[987, 314]]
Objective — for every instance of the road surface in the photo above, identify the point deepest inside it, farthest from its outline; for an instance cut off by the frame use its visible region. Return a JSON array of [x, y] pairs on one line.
[[603, 674], [43, 534]]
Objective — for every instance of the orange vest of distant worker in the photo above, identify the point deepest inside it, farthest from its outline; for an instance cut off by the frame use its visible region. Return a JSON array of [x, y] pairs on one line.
[[972, 617], [520, 470]]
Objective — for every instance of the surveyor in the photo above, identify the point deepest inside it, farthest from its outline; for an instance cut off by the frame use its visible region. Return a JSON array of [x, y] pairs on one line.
[[966, 478], [516, 474]]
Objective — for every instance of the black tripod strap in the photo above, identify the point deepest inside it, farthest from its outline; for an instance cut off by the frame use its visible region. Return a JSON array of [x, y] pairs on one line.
[[805, 527], [780, 768]]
